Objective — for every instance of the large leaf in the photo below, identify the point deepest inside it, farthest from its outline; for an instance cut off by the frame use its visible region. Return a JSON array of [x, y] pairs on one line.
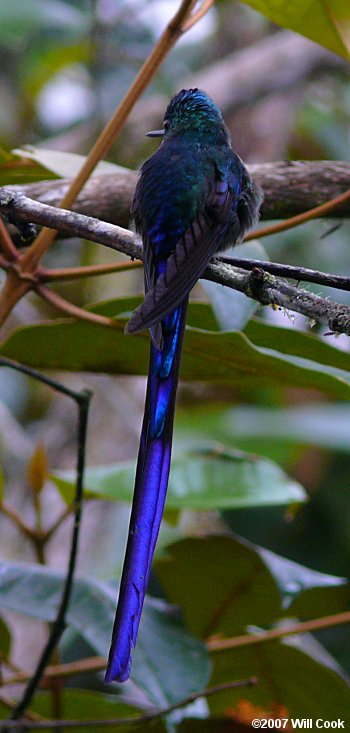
[[17, 169], [64, 165], [306, 593], [201, 479], [325, 21], [297, 343], [222, 585], [168, 663], [270, 430], [244, 582], [220, 357], [290, 683]]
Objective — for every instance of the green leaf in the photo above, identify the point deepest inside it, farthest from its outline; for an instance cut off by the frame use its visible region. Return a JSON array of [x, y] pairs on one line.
[[296, 343], [290, 683], [200, 479], [18, 169], [273, 432], [219, 357], [318, 602], [168, 663], [306, 593], [325, 21], [222, 585], [5, 640], [64, 165]]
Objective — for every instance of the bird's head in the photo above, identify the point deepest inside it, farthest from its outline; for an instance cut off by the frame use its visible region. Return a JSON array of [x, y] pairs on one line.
[[191, 110]]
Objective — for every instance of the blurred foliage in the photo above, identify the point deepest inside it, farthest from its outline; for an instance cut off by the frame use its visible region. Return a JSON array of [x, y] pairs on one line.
[[263, 416]]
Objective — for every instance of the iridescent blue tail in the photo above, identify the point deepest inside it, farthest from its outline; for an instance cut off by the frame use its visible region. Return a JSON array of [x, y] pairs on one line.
[[151, 483]]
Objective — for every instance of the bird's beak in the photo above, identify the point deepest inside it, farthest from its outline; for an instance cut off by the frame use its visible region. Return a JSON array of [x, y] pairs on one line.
[[155, 133]]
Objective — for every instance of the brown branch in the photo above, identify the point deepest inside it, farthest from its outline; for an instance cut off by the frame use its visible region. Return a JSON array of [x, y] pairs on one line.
[[76, 273], [329, 207], [73, 310], [137, 720], [195, 17], [16, 518], [83, 666], [260, 285], [219, 645], [6, 243], [290, 188]]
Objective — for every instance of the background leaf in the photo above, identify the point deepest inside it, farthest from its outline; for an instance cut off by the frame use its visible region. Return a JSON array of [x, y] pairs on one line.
[[221, 585], [324, 21], [209, 356], [35, 591], [290, 683], [201, 479]]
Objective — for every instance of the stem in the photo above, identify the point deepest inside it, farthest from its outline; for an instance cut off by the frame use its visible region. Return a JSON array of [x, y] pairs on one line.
[[294, 221], [57, 523], [6, 243], [82, 400], [73, 310], [76, 273], [139, 719], [16, 518], [301, 274], [88, 665], [202, 10], [316, 624]]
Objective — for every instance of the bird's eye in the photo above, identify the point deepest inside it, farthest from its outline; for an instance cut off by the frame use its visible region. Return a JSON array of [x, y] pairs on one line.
[[166, 124]]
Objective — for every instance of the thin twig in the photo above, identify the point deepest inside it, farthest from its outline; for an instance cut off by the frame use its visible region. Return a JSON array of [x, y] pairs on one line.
[[294, 221], [73, 310], [16, 518], [57, 523], [316, 624], [82, 400], [83, 666], [148, 717], [270, 290], [301, 274], [259, 285], [195, 17], [6, 243], [77, 273]]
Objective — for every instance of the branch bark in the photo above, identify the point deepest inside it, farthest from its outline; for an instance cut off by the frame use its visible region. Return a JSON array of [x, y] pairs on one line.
[[289, 187], [258, 284]]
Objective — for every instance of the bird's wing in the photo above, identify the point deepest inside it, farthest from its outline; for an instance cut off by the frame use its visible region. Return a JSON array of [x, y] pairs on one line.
[[193, 251]]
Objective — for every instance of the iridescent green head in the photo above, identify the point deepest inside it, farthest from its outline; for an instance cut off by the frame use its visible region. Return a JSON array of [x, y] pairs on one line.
[[191, 110]]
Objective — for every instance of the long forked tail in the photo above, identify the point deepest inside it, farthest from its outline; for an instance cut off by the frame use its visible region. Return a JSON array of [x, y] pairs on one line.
[[151, 483]]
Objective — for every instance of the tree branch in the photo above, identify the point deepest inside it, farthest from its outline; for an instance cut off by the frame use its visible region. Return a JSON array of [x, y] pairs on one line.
[[257, 284], [136, 720], [289, 188]]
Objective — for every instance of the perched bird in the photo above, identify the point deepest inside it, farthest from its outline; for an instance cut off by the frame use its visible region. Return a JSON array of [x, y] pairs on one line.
[[194, 198]]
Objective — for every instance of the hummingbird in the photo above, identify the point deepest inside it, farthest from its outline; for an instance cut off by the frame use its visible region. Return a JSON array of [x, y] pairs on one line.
[[194, 199]]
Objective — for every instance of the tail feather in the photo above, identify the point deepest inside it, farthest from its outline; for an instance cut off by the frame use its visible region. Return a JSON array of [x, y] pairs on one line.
[[151, 483]]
